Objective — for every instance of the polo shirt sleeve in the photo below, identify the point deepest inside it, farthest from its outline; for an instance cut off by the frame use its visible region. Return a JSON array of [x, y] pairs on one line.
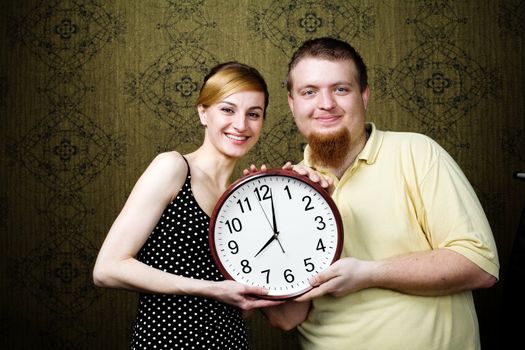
[[453, 217]]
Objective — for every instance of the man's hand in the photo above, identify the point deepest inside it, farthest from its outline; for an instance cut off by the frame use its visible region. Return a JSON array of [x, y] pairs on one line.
[[347, 275], [326, 182]]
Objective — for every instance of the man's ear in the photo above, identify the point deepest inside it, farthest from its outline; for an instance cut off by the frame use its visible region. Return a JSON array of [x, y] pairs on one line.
[[290, 101], [365, 95], [202, 114]]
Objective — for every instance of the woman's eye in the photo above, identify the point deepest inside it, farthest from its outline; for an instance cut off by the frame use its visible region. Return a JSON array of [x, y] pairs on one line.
[[227, 110], [254, 115]]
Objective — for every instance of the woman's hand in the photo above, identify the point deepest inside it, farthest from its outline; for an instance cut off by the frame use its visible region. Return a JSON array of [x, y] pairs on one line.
[[241, 296], [253, 169]]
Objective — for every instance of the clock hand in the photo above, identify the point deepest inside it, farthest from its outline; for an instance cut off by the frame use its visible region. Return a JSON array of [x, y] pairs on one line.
[[275, 231], [278, 241], [274, 236], [266, 216], [273, 215]]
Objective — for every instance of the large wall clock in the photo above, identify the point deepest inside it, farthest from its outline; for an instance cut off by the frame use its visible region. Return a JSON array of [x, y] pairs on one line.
[[275, 229]]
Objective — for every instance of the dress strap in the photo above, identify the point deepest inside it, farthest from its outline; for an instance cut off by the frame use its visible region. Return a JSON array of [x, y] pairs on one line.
[[188, 164]]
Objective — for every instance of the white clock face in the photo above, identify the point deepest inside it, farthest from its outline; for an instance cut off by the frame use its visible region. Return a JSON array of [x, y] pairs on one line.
[[275, 229]]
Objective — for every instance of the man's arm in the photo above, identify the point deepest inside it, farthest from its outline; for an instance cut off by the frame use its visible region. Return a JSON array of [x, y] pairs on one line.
[[287, 316], [431, 273]]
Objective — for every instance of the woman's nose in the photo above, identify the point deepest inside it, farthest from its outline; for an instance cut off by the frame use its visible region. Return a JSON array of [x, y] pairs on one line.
[[239, 122]]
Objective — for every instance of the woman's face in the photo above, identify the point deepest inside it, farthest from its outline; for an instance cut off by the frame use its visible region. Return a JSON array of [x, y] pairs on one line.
[[234, 124]]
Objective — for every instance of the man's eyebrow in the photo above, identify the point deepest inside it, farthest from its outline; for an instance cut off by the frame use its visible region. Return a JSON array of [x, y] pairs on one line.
[[340, 82]]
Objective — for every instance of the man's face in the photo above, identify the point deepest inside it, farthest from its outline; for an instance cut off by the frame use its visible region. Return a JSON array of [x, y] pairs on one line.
[[326, 98]]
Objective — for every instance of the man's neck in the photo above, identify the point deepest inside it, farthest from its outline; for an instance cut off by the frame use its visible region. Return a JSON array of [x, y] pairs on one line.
[[354, 151]]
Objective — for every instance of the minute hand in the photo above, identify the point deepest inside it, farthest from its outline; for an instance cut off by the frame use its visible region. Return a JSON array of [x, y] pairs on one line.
[[275, 230]]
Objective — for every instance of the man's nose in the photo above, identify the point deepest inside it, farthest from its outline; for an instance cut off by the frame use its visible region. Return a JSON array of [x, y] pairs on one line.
[[326, 100]]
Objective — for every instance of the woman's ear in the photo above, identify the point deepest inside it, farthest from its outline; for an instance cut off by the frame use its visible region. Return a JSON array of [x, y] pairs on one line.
[[202, 114]]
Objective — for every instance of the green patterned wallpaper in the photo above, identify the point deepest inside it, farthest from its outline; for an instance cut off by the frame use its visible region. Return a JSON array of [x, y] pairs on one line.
[[92, 90]]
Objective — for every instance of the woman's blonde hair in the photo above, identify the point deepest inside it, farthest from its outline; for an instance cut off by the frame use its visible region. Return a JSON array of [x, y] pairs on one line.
[[229, 78]]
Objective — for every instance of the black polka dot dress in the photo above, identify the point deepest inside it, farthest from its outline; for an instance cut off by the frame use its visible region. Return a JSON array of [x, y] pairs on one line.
[[179, 245]]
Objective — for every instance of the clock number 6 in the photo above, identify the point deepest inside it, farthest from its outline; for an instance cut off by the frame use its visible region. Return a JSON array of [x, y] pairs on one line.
[[288, 276]]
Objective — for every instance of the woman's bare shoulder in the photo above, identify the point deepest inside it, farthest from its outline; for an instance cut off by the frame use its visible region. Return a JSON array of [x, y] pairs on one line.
[[167, 172]]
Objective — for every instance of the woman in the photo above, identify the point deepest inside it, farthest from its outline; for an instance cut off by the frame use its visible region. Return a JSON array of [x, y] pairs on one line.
[[158, 244]]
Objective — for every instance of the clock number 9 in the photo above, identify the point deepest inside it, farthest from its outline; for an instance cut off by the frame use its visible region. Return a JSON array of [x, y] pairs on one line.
[[265, 189], [233, 247]]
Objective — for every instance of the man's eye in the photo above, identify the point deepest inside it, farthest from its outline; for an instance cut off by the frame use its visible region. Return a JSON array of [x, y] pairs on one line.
[[308, 92]]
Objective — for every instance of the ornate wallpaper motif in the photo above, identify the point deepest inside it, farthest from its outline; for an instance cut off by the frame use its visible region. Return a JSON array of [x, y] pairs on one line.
[[437, 82], [92, 90], [63, 150], [287, 24], [511, 17]]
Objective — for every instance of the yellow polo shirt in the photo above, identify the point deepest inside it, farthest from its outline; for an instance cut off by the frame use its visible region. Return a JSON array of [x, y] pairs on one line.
[[403, 194]]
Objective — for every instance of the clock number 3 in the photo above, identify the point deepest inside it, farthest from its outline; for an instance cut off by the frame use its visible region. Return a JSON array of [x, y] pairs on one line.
[[322, 224]]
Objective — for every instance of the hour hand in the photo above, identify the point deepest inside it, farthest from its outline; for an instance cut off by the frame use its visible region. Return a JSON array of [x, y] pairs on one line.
[[266, 244]]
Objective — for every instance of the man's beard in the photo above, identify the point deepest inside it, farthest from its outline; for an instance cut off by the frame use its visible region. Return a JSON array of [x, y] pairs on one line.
[[329, 150]]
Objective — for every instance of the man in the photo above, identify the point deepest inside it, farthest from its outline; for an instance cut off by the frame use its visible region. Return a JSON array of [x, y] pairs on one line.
[[417, 241]]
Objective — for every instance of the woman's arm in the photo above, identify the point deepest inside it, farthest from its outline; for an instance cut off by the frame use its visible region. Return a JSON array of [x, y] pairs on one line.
[[117, 266]]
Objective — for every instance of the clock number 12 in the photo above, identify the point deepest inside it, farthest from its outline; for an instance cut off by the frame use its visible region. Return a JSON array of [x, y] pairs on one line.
[[265, 190]]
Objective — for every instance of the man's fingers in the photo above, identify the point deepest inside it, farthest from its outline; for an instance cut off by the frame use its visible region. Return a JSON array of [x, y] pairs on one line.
[[312, 294], [288, 166]]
